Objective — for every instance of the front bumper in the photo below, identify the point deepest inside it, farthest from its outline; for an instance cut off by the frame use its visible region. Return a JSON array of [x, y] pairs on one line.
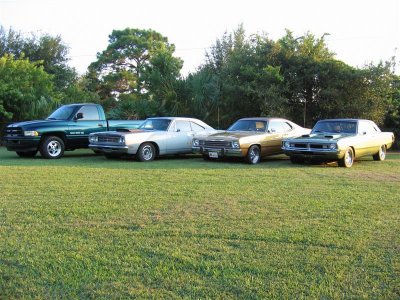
[[313, 154], [121, 149], [21, 144], [221, 152]]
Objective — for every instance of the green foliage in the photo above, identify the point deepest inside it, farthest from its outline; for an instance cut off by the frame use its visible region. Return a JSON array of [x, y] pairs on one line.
[[138, 63], [26, 90]]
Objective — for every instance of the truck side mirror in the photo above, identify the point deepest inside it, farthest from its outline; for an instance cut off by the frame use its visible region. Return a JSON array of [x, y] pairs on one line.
[[79, 116]]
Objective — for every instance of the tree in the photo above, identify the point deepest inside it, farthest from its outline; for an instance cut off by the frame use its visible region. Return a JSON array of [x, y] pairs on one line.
[[137, 65], [26, 90]]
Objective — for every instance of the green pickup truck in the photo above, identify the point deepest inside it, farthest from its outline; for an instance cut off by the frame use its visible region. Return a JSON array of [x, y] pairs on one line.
[[65, 129]]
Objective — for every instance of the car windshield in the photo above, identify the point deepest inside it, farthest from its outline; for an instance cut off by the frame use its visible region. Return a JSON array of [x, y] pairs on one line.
[[248, 125], [155, 124], [335, 127], [62, 113]]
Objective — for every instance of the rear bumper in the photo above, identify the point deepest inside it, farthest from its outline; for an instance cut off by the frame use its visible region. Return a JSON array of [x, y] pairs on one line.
[[21, 144], [222, 152]]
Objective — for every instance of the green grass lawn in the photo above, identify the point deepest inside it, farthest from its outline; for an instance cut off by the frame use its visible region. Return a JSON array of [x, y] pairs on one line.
[[87, 227]]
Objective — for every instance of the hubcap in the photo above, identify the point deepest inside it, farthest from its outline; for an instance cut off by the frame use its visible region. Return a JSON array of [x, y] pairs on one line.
[[254, 155], [54, 148], [349, 158], [147, 152], [382, 152]]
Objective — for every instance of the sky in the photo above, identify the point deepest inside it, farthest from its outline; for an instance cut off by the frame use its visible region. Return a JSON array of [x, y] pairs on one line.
[[360, 32]]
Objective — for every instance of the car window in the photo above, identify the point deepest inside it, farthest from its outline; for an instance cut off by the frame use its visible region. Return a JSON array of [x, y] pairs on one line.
[[196, 127], [155, 124], [89, 112], [286, 126], [182, 126], [276, 126], [366, 127], [248, 125]]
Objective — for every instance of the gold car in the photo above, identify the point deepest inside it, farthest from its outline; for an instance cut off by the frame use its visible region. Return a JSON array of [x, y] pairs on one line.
[[250, 138]]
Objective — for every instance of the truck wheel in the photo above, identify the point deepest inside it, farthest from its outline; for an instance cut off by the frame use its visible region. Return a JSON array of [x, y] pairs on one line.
[[52, 147], [381, 155], [253, 155], [348, 158], [26, 153], [146, 152]]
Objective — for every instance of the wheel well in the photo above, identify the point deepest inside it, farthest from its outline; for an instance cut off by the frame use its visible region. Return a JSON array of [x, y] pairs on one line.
[[155, 146], [61, 135]]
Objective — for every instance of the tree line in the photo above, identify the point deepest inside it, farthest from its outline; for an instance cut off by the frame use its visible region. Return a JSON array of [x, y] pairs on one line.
[[138, 76]]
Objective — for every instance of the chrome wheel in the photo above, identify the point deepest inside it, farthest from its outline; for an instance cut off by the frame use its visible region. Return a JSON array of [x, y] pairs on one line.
[[253, 156], [381, 155], [54, 148], [348, 159], [147, 152]]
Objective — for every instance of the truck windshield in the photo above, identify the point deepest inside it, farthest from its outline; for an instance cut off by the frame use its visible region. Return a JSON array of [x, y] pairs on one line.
[[62, 113], [155, 124], [335, 127]]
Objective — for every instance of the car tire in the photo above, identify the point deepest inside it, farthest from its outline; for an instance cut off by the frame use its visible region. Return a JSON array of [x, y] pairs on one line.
[[26, 153], [52, 147], [146, 152], [348, 158], [381, 155], [253, 155], [296, 160]]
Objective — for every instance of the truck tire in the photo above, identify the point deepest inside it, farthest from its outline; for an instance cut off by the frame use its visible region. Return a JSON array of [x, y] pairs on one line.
[[26, 153], [52, 147]]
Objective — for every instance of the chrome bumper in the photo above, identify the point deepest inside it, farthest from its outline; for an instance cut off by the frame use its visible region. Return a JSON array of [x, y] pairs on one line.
[[221, 151], [109, 148]]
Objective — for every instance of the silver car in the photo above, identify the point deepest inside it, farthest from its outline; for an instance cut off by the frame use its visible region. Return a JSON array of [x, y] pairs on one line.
[[155, 137]]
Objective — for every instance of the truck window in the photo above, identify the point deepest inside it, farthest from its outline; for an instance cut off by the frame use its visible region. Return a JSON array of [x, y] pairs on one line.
[[90, 113]]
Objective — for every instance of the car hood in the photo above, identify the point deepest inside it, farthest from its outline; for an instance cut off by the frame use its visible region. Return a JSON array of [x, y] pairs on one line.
[[322, 137], [232, 135], [35, 123]]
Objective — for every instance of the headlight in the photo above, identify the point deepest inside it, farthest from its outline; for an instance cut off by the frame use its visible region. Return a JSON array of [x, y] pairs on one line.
[[195, 143], [31, 133], [121, 140], [236, 144], [286, 144], [93, 138], [332, 146]]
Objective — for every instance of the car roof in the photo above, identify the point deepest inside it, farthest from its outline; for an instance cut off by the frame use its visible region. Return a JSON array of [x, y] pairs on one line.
[[262, 119], [345, 120]]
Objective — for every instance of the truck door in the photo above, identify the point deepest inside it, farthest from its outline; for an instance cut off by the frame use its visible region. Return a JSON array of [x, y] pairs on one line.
[[85, 121]]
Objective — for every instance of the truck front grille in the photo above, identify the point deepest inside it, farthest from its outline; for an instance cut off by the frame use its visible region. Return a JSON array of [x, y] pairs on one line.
[[14, 131]]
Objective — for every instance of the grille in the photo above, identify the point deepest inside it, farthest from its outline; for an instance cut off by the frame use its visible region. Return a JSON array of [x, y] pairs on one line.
[[14, 131], [108, 139], [310, 146], [218, 144]]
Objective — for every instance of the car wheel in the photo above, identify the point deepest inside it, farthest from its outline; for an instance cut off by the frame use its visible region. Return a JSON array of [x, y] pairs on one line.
[[26, 153], [296, 160], [253, 155], [348, 158], [52, 147], [146, 152], [381, 155]]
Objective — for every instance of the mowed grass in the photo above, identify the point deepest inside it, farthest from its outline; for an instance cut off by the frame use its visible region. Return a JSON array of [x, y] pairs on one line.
[[87, 227]]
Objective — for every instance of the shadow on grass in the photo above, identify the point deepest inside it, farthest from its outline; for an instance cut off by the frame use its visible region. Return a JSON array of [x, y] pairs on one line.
[[86, 158]]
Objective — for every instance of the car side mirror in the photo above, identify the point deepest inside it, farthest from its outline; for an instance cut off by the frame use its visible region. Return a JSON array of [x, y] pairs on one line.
[[271, 130], [178, 130], [78, 116]]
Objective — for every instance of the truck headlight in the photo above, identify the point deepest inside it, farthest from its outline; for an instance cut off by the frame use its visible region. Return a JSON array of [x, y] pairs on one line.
[[332, 146], [31, 133], [93, 138], [236, 144], [195, 143]]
